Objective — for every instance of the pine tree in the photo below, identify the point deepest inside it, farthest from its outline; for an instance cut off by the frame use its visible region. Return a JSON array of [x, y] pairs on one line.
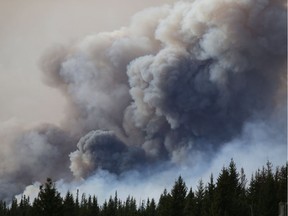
[[24, 208], [111, 207], [83, 208], [130, 207], [254, 193], [164, 204], [209, 196], [150, 209], [104, 209], [142, 210], [242, 203], [77, 204], [69, 208], [14, 208], [199, 198], [269, 199], [3, 208], [281, 181], [190, 204], [49, 201], [223, 198], [178, 194], [94, 208]]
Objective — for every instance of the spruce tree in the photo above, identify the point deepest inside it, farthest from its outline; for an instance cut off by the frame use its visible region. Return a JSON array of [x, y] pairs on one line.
[[178, 195], [3, 208], [269, 196], [199, 198], [164, 204], [209, 196], [49, 201], [150, 208], [14, 208], [69, 207], [190, 204], [95, 211], [24, 208], [230, 194], [223, 197], [281, 181]]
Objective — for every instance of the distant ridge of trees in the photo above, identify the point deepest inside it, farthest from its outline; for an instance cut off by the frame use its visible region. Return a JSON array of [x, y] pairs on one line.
[[227, 196]]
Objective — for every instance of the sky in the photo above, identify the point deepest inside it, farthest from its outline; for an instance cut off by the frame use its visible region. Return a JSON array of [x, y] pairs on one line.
[[127, 95], [28, 29]]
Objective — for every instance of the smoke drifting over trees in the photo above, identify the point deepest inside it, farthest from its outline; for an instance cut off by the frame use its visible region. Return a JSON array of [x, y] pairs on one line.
[[228, 194], [179, 80]]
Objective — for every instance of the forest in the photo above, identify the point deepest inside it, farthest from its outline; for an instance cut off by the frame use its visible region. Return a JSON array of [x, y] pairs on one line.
[[230, 194]]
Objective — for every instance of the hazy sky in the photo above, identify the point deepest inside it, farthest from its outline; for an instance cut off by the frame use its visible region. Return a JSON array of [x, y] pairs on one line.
[[28, 28]]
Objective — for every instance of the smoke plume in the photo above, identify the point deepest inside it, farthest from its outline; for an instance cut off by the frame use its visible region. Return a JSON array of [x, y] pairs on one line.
[[181, 80]]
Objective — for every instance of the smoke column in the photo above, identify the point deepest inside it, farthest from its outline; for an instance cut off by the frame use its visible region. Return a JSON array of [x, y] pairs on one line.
[[181, 84]]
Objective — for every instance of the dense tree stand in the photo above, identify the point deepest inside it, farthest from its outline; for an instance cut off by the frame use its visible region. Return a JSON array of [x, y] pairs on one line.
[[266, 195]]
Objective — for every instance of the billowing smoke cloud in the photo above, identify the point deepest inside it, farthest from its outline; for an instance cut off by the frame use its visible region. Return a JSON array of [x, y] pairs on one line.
[[102, 149], [180, 81], [31, 155]]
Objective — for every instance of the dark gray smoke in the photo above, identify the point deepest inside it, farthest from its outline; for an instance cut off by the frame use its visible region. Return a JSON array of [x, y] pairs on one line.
[[102, 149], [180, 79], [32, 155]]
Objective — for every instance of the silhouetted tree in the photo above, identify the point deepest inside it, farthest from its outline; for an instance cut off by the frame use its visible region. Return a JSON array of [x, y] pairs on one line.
[[190, 204], [93, 208], [69, 207], [178, 195], [24, 208], [223, 194], [3, 208], [229, 196], [150, 208], [164, 204], [209, 196], [281, 182], [199, 198], [49, 201], [14, 208]]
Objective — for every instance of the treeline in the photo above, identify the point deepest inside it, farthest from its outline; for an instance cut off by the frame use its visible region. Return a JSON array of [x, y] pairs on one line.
[[229, 195]]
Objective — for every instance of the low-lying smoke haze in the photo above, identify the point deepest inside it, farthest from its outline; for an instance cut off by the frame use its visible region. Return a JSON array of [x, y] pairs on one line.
[[182, 89]]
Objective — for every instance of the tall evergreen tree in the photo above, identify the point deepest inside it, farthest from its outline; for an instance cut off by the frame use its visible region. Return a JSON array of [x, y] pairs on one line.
[[223, 194], [24, 208], [49, 201], [230, 192], [130, 207], [190, 204], [3, 208], [93, 208], [199, 198], [178, 195], [14, 208], [209, 196], [151, 208], [254, 193], [164, 204], [281, 181], [104, 209], [269, 196], [112, 207], [69, 207]]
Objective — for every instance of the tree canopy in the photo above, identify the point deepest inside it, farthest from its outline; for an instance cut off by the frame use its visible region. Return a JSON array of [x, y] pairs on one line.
[[228, 196]]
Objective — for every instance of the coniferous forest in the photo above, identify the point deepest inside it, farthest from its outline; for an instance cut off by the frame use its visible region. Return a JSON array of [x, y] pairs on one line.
[[229, 194]]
